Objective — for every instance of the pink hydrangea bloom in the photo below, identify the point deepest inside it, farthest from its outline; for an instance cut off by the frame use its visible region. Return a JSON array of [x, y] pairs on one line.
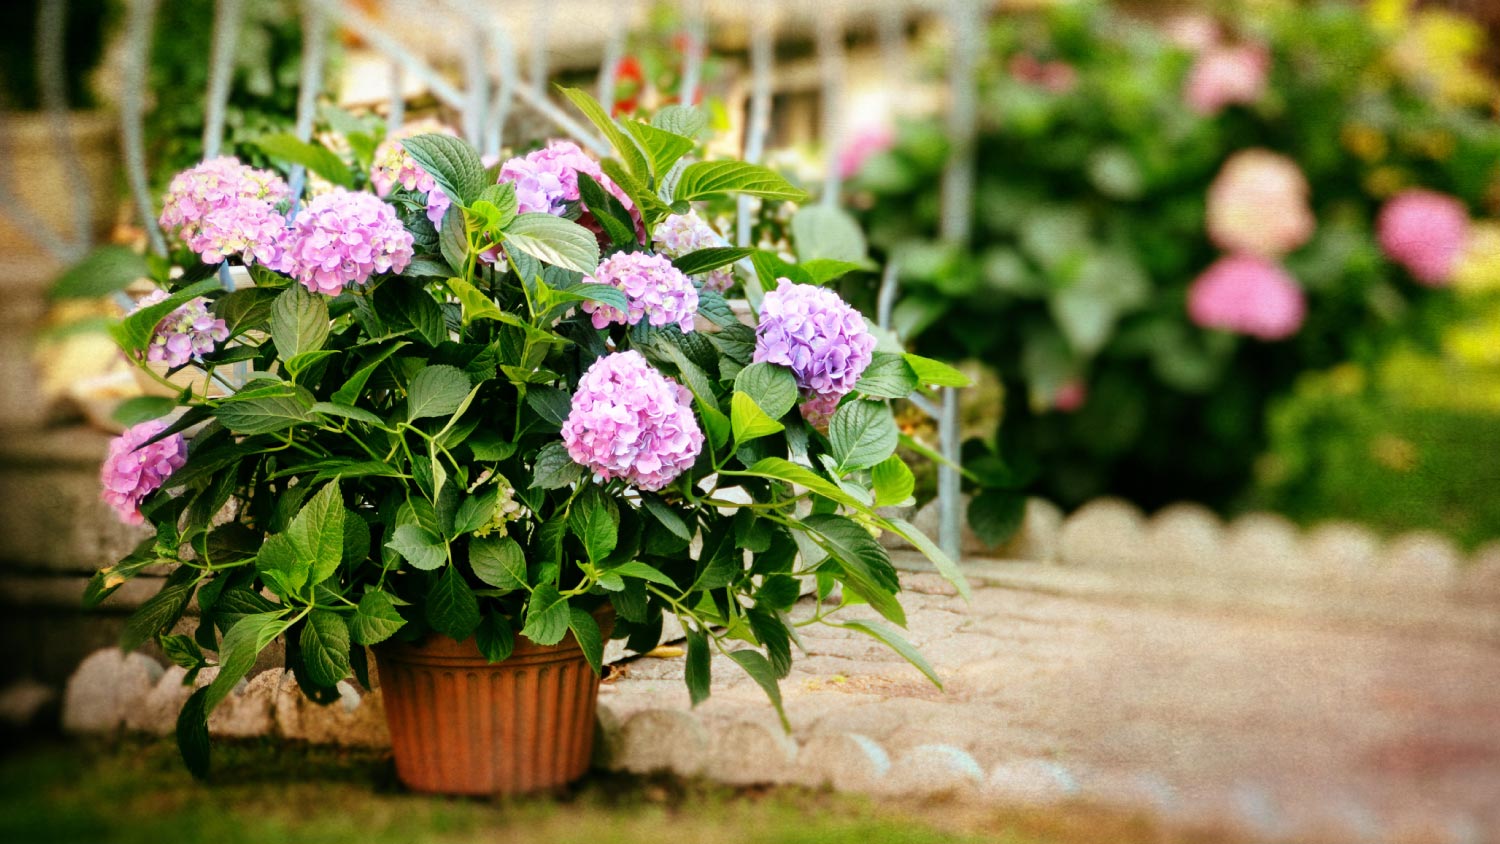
[[1225, 75], [657, 291], [222, 208], [547, 179], [395, 166], [187, 332], [133, 470], [343, 238], [1425, 232], [818, 410], [629, 421], [1258, 204], [680, 234], [863, 145], [1071, 396], [817, 335], [1249, 295]]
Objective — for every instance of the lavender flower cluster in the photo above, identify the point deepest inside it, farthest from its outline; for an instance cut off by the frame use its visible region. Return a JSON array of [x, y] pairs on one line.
[[222, 208], [186, 333], [343, 238], [657, 291], [631, 422], [547, 180], [680, 234], [813, 332], [395, 166], [134, 467]]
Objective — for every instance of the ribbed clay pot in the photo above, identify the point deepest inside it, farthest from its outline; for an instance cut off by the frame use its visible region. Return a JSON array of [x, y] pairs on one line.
[[460, 725]]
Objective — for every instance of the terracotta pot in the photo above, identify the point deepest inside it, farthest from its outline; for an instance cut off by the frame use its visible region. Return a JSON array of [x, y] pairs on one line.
[[460, 725]]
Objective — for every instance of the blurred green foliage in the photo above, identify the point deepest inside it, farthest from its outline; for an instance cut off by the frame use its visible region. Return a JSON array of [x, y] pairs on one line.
[[1089, 227]]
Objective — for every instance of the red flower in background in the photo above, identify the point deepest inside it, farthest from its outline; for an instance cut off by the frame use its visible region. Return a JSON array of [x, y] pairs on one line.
[[630, 81]]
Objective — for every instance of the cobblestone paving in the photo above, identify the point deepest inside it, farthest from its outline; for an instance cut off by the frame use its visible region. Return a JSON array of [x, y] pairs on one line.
[[1283, 726]]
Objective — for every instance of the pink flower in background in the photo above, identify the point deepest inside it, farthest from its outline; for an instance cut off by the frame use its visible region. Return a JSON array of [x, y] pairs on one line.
[[629, 421], [1425, 232], [1258, 204], [680, 234], [1247, 294], [222, 208], [395, 166], [1071, 396], [547, 180], [343, 238], [656, 291], [818, 410], [810, 330], [1054, 77], [133, 470], [186, 333], [1227, 75], [865, 143]]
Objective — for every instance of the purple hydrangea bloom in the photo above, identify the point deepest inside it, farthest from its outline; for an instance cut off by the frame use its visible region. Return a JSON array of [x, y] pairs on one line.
[[629, 421], [547, 179], [343, 238], [680, 234], [133, 470], [813, 332], [187, 332], [222, 208], [395, 166], [655, 289]]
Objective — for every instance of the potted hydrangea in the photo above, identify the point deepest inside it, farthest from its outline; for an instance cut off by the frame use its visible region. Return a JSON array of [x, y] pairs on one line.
[[491, 419]]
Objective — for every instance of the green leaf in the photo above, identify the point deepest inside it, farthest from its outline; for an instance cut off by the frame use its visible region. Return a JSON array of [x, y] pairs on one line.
[[550, 403], [418, 546], [888, 376], [137, 409], [601, 293], [106, 270], [663, 148], [607, 210], [375, 619], [547, 615], [265, 415], [828, 232], [156, 614], [498, 561], [704, 179], [759, 668], [182, 650], [237, 653], [945, 564], [452, 608], [299, 322], [245, 309], [624, 147], [862, 434], [358, 414], [354, 388], [495, 638], [453, 164], [591, 521], [436, 391], [773, 387], [590, 639], [866, 566], [281, 567], [325, 647], [782, 469], [896, 642], [553, 240], [772, 632], [748, 421], [705, 260], [134, 332], [643, 572], [318, 532], [824, 270], [404, 304], [300, 363], [893, 481], [284, 146], [192, 733], [936, 373], [698, 672], [453, 239], [667, 516], [681, 120], [502, 199], [996, 514], [554, 469]]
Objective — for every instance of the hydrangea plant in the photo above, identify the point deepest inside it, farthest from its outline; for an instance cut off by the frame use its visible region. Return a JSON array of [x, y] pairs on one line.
[[494, 426]]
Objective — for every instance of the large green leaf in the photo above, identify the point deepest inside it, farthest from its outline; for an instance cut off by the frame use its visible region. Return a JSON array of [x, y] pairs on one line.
[[452, 608], [888, 376], [592, 522], [495, 638], [892, 480], [498, 561], [624, 147], [192, 733], [828, 232], [245, 309], [237, 653], [553, 240], [156, 614], [896, 642], [779, 468], [134, 332], [663, 148], [866, 566], [453, 164], [375, 619], [703, 260], [281, 566], [936, 373], [266, 414], [772, 387], [698, 672], [590, 639], [419, 546], [748, 421], [554, 468], [325, 647], [299, 322], [317, 532], [436, 391], [704, 179], [318, 159], [862, 433], [104, 271], [760, 670], [996, 514], [353, 390], [547, 616], [945, 564]]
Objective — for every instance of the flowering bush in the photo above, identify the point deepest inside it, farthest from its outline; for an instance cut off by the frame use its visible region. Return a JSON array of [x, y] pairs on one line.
[[1164, 242], [431, 443]]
